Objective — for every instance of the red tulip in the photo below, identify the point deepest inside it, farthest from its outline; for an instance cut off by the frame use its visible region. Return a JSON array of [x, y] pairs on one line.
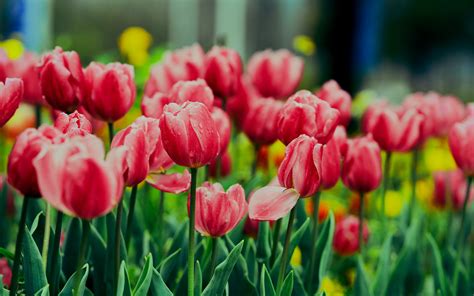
[[331, 163], [452, 111], [25, 69], [346, 239], [261, 121], [62, 79], [370, 114], [21, 172], [153, 106], [251, 227], [5, 272], [470, 110], [11, 94], [217, 211], [340, 137], [222, 71], [450, 186], [223, 124], [180, 65], [189, 134], [362, 168], [305, 114], [110, 90], [75, 179], [275, 73], [193, 91], [338, 98], [73, 124], [461, 142], [238, 105], [7, 66], [225, 166]]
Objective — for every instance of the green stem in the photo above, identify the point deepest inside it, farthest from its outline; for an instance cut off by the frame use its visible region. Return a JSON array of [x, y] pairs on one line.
[[276, 237], [19, 247], [218, 167], [286, 249], [192, 209], [386, 178], [214, 243], [47, 232], [110, 126], [133, 200], [161, 221], [314, 240], [255, 161], [361, 223], [86, 227], [54, 276], [414, 177], [118, 236], [461, 233], [38, 115]]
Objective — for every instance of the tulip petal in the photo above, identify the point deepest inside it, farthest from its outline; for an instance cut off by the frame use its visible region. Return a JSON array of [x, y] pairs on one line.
[[272, 203], [172, 183]]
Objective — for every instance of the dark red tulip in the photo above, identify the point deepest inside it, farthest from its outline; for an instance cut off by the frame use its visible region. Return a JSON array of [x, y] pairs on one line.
[[346, 239], [223, 124], [223, 69]]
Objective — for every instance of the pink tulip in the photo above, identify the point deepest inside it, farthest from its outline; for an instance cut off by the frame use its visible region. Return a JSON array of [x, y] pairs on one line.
[[21, 172], [450, 185], [193, 91], [275, 73], [153, 106], [223, 69], [73, 124], [331, 163], [218, 211], [362, 168], [305, 114], [238, 105], [183, 64], [11, 94], [110, 90], [470, 110], [461, 142], [261, 121], [223, 124], [338, 98], [189, 134], [340, 137], [452, 111], [271, 203], [62, 79], [371, 114], [76, 180], [25, 68], [6, 66], [6, 273], [346, 239]]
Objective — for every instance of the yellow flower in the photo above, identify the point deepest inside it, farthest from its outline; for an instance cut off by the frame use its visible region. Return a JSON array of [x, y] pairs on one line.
[[437, 156], [296, 258], [331, 287], [304, 44], [13, 47], [134, 43], [394, 202]]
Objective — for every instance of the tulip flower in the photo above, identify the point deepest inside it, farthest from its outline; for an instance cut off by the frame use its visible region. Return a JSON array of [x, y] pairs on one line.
[[331, 163], [470, 110], [346, 242], [261, 121], [62, 79], [73, 124], [338, 98], [450, 189], [275, 73], [180, 65], [110, 90], [223, 124], [193, 91], [238, 105], [6, 66], [153, 106], [223, 69], [11, 94], [25, 69], [5, 272], [461, 142], [305, 114]]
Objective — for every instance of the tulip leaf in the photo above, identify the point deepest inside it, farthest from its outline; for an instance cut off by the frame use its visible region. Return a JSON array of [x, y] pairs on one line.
[[98, 253], [71, 247], [197, 279], [361, 285], [4, 221], [383, 268], [287, 287], [251, 256], [144, 281], [239, 282], [298, 286], [169, 266], [461, 280], [123, 285], [438, 270], [35, 276], [158, 286], [37, 229], [266, 284], [68, 289], [222, 273], [43, 292], [263, 241], [7, 254]]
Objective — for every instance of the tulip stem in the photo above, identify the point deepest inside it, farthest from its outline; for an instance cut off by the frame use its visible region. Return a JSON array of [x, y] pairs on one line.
[[192, 209], [386, 178], [161, 221], [118, 236], [276, 237], [284, 258], [47, 232], [461, 233], [86, 227], [214, 243], [361, 223], [255, 161], [314, 239], [110, 125], [133, 200], [414, 177], [38, 115], [54, 276], [218, 167], [19, 247]]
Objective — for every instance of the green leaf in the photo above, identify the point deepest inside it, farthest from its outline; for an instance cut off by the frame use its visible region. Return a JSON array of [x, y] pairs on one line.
[[71, 247], [251, 258], [158, 286], [169, 266], [68, 289], [324, 248], [263, 241], [35, 276], [43, 292], [123, 286], [239, 282], [7, 254], [361, 285], [266, 284], [438, 270], [383, 268], [298, 286], [144, 281], [197, 279], [287, 287], [98, 256], [462, 285], [222, 273]]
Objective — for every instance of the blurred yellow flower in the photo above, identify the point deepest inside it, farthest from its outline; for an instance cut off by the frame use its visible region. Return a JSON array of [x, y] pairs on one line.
[[331, 287], [304, 44], [134, 43], [437, 156], [296, 258], [13, 47], [394, 202]]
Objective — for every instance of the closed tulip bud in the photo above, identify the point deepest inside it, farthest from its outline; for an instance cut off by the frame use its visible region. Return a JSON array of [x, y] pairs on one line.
[[73, 124], [5, 272], [461, 142], [371, 114], [225, 166], [110, 90], [76, 180], [261, 121], [338, 98], [153, 106], [223, 69], [238, 105], [340, 137], [21, 172], [451, 111], [275, 73], [193, 91], [11, 94], [6, 66], [305, 114], [450, 189], [428, 106], [223, 124], [331, 164], [218, 211], [26, 70], [189, 134], [346, 239], [362, 167], [184, 64], [62, 79]]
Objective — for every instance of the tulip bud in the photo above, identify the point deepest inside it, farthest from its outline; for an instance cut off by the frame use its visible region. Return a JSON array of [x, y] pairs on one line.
[[450, 189], [275, 73], [238, 105], [6, 66], [26, 70], [461, 142], [73, 124], [331, 164], [193, 91], [338, 98], [5, 272], [153, 106], [62, 79], [362, 168], [110, 90], [189, 134], [217, 211], [340, 137], [11, 94], [261, 121], [346, 239], [223, 69], [222, 121], [305, 114]]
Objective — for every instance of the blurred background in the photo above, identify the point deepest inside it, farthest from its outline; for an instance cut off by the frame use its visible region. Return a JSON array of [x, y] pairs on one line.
[[390, 46]]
